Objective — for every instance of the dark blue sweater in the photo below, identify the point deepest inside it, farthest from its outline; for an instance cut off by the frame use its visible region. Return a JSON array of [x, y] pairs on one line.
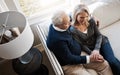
[[66, 49]]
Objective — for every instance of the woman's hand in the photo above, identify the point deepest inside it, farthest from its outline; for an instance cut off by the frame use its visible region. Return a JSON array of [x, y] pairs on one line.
[[95, 55]]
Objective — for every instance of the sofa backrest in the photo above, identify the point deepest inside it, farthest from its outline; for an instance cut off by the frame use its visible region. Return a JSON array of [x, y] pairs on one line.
[[107, 13]]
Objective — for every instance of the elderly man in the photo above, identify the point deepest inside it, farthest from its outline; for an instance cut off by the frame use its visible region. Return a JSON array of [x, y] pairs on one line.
[[68, 50]]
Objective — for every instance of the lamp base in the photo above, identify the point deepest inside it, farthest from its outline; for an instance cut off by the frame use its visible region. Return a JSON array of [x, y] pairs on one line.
[[31, 67], [27, 57], [2, 60], [43, 70]]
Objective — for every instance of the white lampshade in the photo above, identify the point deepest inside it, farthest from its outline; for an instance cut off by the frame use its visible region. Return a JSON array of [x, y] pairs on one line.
[[21, 44]]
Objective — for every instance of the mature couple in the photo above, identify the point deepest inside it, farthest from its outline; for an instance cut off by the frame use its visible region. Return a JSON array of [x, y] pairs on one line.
[[68, 42]]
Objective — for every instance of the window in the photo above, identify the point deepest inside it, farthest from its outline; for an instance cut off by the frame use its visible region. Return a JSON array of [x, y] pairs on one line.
[[31, 7], [39, 9]]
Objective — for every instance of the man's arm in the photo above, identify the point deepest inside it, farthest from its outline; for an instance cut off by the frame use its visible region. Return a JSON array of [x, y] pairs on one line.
[[63, 52]]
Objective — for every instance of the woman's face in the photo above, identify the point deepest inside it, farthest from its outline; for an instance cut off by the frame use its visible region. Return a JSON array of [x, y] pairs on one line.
[[82, 17]]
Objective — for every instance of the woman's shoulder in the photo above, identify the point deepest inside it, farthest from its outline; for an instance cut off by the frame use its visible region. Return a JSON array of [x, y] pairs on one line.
[[72, 28], [91, 20]]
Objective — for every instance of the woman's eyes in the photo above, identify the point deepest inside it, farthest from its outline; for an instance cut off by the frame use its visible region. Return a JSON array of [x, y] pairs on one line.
[[83, 17]]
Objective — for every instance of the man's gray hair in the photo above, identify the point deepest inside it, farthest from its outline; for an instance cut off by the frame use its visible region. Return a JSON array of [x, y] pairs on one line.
[[58, 17]]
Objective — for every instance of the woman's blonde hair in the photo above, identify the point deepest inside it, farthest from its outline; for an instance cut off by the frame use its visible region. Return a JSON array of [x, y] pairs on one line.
[[77, 10]]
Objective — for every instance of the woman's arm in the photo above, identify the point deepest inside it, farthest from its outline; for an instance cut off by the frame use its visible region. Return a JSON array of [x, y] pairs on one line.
[[95, 53], [97, 34]]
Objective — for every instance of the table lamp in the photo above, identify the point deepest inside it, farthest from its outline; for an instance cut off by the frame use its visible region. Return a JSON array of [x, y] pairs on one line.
[[16, 39], [22, 43]]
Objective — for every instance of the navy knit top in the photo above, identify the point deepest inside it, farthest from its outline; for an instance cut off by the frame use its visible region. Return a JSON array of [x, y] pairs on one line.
[[65, 47]]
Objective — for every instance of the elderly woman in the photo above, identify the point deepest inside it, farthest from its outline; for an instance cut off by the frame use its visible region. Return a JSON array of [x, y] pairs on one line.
[[89, 37], [68, 50]]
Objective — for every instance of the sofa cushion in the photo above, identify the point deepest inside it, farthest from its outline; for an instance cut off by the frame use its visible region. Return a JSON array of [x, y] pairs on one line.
[[107, 13], [112, 32]]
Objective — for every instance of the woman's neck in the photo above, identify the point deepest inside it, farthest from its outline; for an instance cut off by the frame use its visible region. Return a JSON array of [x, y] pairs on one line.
[[81, 27]]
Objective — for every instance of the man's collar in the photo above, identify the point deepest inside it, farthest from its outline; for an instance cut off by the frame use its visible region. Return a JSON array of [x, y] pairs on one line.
[[58, 29]]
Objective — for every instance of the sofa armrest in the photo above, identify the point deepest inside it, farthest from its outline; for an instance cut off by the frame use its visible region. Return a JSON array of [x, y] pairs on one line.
[[54, 62]]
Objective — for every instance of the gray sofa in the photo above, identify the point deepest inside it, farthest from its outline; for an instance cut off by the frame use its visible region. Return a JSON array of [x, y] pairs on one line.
[[107, 13]]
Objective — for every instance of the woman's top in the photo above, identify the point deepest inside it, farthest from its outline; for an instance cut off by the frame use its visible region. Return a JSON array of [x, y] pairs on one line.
[[91, 40]]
